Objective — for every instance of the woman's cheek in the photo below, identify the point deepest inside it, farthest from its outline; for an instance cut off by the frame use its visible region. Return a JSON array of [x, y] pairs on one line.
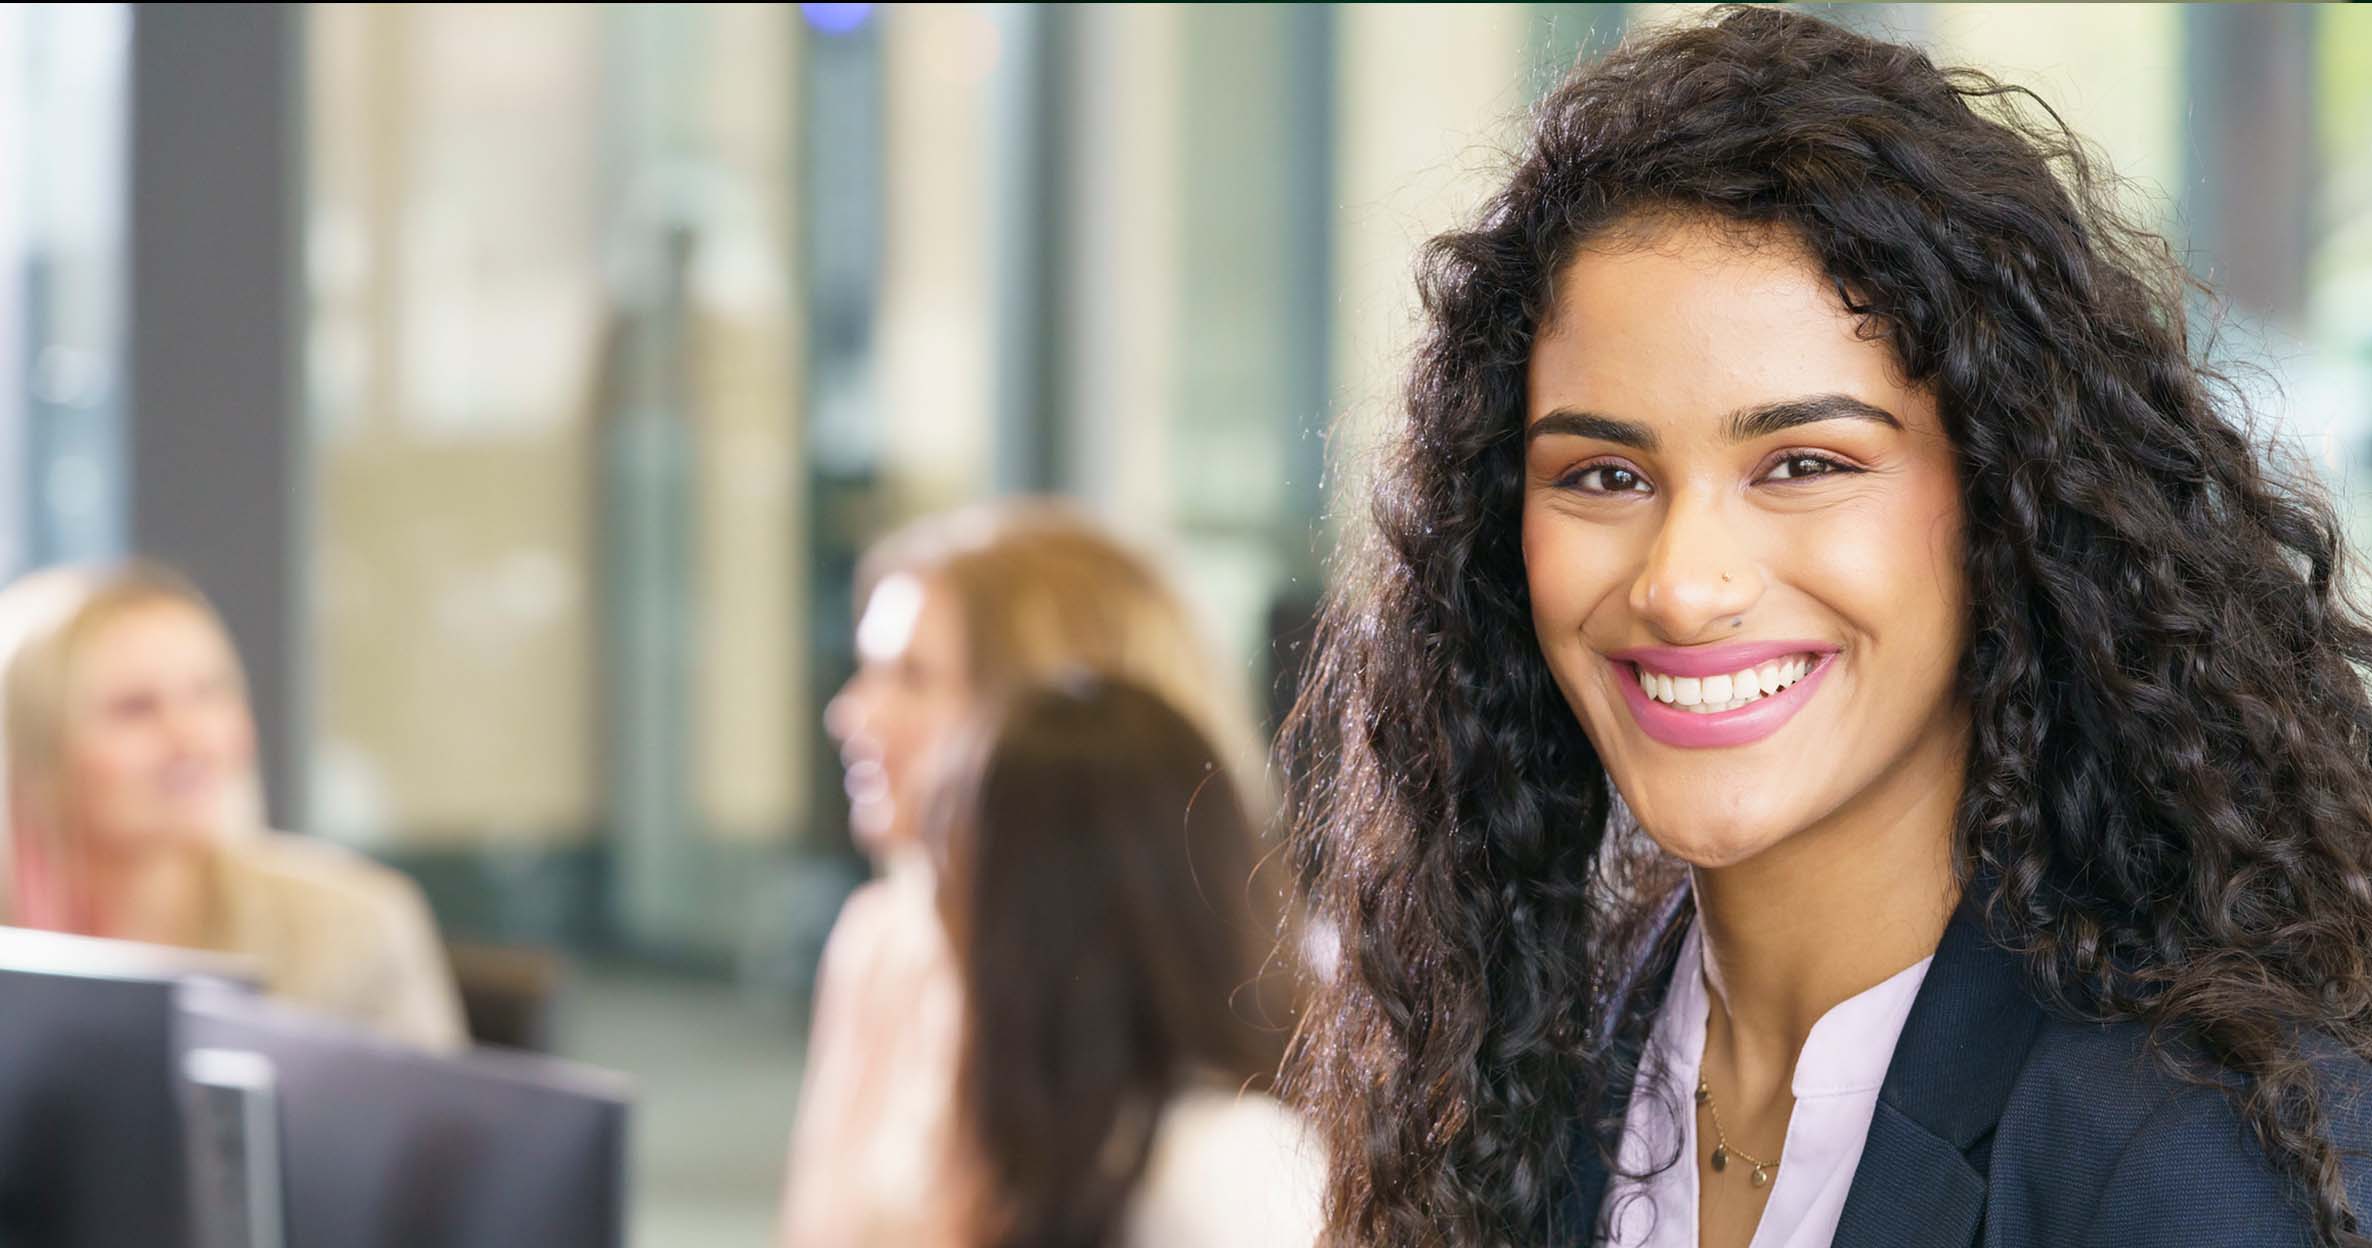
[[1570, 570], [1902, 556], [1564, 563], [105, 765]]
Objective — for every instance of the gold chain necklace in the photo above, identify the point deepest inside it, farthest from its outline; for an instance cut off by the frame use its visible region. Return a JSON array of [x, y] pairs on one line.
[[1721, 1143]]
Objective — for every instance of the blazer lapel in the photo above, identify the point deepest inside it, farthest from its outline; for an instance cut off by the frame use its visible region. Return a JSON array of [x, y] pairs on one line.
[[1589, 1188], [1912, 1190], [1921, 1181]]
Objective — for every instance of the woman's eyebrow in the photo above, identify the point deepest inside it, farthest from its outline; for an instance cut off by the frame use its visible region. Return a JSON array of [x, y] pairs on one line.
[[1765, 419], [1574, 424], [1743, 425]]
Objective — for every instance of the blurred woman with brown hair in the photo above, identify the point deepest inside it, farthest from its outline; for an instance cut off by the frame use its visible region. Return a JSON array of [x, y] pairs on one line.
[[956, 612], [134, 809], [1094, 867]]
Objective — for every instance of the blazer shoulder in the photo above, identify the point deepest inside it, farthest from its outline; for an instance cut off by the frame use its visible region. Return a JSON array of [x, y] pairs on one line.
[[2104, 1141]]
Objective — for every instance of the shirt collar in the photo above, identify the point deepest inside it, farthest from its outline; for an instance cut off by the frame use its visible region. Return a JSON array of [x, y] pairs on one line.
[[1847, 1050]]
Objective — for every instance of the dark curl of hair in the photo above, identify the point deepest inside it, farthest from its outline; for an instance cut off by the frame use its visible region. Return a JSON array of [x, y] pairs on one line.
[[2168, 785]]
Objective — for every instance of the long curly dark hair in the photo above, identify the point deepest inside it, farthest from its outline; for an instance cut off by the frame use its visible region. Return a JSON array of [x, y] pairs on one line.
[[2168, 785]]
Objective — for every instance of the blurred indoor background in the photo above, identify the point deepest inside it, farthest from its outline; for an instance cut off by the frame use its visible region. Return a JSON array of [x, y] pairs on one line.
[[523, 382]]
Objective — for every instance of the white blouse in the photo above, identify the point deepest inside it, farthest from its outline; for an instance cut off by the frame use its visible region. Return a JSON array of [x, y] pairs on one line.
[[1836, 1090], [1229, 1170]]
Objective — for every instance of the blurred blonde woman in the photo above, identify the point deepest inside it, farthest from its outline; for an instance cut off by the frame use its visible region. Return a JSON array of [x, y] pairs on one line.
[[134, 808], [957, 612]]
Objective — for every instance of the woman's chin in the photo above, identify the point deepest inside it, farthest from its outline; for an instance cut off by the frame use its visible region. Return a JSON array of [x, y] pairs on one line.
[[1712, 840], [172, 835], [878, 832]]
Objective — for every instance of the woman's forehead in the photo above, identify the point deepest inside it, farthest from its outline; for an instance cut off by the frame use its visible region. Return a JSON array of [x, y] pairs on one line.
[[1698, 323], [149, 636]]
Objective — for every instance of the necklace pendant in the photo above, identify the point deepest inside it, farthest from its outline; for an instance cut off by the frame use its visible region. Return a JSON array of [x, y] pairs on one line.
[[1721, 1158], [1760, 1177]]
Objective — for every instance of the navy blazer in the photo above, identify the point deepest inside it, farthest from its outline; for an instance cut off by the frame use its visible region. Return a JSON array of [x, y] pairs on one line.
[[2003, 1126]]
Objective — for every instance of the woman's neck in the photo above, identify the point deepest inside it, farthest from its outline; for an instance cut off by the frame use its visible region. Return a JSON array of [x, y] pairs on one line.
[[157, 896], [1827, 914], [908, 865]]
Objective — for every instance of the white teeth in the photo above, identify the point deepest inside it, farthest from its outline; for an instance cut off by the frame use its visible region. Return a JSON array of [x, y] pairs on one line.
[[1710, 695]]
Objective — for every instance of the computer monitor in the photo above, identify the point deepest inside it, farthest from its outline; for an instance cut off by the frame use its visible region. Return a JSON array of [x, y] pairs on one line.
[[382, 1146], [91, 1145]]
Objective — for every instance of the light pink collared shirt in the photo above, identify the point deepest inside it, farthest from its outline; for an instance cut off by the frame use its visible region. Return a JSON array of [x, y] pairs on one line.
[[1836, 1090]]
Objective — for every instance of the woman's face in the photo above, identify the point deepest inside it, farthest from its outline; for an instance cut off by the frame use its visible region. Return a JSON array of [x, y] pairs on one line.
[[910, 692], [158, 745], [1742, 538]]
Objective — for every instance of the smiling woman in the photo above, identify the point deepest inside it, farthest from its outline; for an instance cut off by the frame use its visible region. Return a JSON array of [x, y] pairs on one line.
[[134, 810], [1831, 689], [961, 612], [1787, 474]]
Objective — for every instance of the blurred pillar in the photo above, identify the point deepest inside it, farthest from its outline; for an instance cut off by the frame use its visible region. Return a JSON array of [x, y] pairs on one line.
[[1127, 192], [696, 491], [1033, 227], [934, 363], [61, 309], [1411, 158], [15, 251], [215, 440], [840, 216], [1311, 45], [2248, 197]]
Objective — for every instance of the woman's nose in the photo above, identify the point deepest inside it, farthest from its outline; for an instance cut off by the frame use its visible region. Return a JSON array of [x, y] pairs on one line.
[[844, 715], [1699, 580], [191, 728]]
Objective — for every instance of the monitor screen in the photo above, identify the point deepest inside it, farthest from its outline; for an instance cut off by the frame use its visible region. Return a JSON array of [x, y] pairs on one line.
[[385, 1147], [91, 1150]]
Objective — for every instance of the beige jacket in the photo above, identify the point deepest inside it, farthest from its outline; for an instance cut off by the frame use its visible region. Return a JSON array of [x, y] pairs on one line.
[[871, 1154], [338, 934]]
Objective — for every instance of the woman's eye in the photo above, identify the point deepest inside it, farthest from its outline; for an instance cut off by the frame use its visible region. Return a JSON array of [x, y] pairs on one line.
[[135, 706], [1607, 479], [1796, 467]]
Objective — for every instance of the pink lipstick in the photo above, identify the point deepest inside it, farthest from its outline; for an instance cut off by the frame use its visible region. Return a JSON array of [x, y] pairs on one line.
[[1760, 718]]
